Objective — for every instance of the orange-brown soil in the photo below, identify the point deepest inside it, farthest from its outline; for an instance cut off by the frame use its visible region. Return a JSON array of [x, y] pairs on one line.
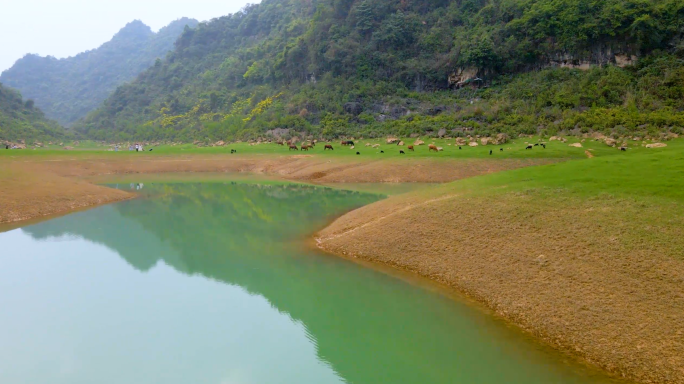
[[27, 194], [34, 187], [585, 275]]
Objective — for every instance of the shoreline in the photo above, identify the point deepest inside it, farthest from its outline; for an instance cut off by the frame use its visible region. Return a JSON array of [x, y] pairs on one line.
[[35, 188], [452, 293], [610, 308]]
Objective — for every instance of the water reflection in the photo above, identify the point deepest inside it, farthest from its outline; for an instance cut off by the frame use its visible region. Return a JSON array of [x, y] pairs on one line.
[[369, 328]]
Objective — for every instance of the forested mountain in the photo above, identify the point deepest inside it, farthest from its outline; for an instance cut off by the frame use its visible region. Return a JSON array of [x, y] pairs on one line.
[[378, 67], [67, 89], [22, 120]]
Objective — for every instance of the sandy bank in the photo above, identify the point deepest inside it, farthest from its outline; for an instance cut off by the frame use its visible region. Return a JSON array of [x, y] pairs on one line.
[[35, 187], [584, 275], [31, 194]]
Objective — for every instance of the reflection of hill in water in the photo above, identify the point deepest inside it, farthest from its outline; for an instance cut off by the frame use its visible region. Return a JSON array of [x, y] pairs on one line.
[[371, 328]]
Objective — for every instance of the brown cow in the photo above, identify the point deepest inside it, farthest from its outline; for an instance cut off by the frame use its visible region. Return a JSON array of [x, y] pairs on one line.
[[410, 147], [432, 147], [328, 147], [305, 148], [280, 142], [294, 147]]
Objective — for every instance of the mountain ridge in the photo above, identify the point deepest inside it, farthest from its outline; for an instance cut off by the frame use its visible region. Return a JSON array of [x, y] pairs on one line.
[[67, 89]]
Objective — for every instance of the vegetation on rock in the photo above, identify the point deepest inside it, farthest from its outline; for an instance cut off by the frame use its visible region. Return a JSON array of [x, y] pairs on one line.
[[373, 68], [21, 121]]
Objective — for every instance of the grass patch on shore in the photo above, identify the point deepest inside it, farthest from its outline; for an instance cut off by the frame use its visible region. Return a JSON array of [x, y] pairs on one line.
[[641, 172], [514, 149]]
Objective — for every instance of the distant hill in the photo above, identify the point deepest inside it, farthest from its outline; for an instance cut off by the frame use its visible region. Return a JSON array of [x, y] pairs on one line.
[[394, 67], [67, 89], [22, 120]]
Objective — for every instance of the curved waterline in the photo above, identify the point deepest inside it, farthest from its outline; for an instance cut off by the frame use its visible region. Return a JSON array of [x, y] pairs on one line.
[[203, 255]]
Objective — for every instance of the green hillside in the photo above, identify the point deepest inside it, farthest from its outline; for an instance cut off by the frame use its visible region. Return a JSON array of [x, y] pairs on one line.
[[67, 89], [373, 68], [21, 120]]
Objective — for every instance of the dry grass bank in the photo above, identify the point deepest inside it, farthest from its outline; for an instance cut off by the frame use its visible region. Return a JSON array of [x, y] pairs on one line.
[[30, 194], [601, 277]]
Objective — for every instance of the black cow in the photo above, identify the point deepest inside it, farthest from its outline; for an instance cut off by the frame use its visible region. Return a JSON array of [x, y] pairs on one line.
[[402, 152]]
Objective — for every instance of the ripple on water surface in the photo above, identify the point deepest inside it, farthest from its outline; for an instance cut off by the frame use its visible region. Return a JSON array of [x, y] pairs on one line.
[[207, 283]]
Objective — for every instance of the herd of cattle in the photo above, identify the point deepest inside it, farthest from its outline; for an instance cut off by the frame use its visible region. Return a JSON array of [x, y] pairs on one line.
[[349, 143]]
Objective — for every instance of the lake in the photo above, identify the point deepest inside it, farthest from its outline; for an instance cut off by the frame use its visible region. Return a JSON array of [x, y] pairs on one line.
[[213, 283]]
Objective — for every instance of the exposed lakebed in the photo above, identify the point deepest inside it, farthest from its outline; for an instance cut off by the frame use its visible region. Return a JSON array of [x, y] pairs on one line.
[[211, 283]]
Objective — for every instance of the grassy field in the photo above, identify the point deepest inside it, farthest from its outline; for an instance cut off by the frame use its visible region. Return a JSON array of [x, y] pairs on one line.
[[514, 149], [640, 172]]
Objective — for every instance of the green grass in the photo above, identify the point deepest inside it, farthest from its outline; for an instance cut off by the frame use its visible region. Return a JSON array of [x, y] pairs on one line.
[[512, 150], [641, 172]]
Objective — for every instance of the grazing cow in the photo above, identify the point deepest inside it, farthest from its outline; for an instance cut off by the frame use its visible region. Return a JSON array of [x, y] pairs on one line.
[[293, 147], [529, 146], [544, 145], [382, 151], [280, 142], [358, 153], [305, 148], [327, 146], [623, 149], [501, 149], [490, 152], [536, 145], [432, 147], [401, 152], [410, 147], [151, 149], [347, 143]]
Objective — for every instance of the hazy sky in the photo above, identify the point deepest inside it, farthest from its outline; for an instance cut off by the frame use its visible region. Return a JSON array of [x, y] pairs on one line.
[[63, 28]]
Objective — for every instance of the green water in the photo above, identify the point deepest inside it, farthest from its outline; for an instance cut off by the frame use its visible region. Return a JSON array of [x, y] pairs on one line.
[[209, 283]]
